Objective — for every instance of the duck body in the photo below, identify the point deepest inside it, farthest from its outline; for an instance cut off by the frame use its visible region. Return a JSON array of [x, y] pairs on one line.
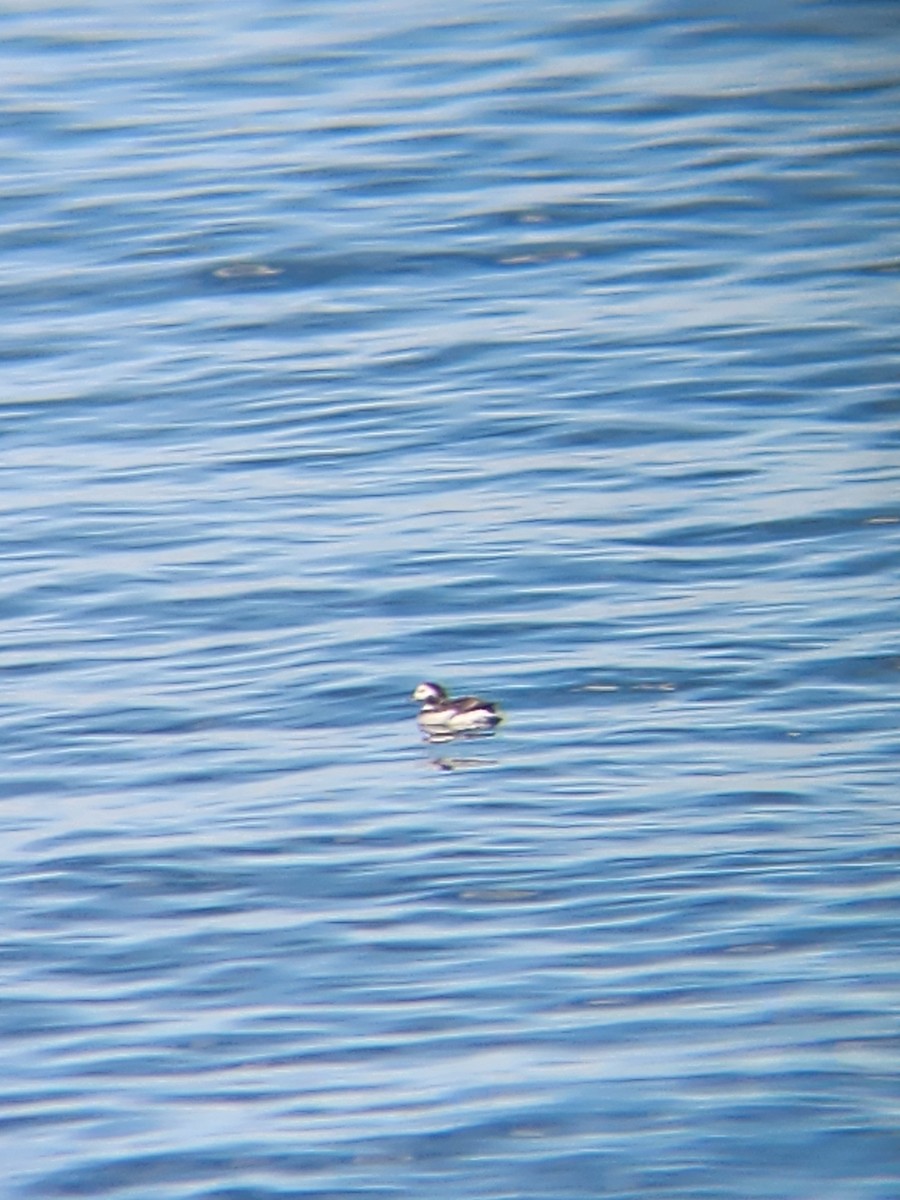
[[442, 715]]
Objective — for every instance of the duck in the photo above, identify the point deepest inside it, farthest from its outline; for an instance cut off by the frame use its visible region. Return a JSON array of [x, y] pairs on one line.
[[444, 716]]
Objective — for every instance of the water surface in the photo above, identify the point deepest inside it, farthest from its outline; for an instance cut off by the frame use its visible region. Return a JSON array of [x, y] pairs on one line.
[[549, 352]]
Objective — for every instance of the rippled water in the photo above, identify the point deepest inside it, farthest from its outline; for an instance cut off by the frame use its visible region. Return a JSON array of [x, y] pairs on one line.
[[548, 351]]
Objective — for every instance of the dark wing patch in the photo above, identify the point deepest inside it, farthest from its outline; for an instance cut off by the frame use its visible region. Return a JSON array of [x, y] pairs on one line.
[[471, 703]]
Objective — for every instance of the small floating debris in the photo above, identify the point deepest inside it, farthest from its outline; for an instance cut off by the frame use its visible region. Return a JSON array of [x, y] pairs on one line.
[[247, 270], [550, 255], [500, 895]]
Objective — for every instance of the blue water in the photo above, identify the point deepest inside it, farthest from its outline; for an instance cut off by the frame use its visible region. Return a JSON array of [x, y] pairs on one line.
[[548, 351]]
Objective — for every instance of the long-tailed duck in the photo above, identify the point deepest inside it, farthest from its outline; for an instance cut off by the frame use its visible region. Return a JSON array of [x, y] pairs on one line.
[[441, 715]]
